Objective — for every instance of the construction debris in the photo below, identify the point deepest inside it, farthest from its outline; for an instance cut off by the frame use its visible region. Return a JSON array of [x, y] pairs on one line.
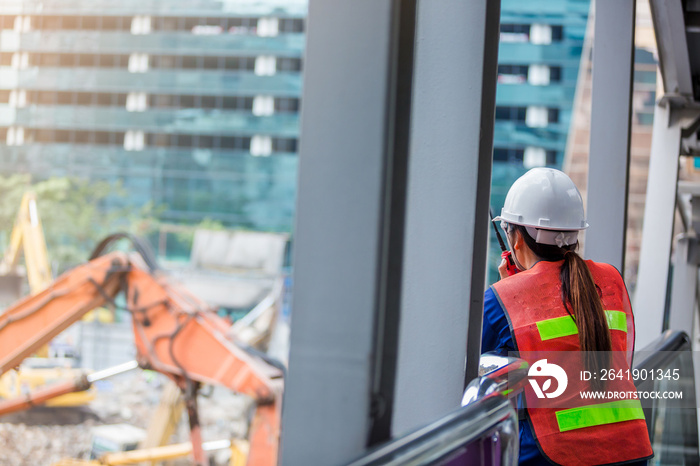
[[44, 436]]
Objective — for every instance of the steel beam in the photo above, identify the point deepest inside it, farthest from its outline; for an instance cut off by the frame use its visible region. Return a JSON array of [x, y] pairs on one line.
[[608, 174], [674, 60], [657, 233], [685, 285], [447, 206]]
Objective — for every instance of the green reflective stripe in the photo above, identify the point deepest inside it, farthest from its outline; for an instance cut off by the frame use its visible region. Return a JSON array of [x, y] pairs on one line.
[[599, 414], [506, 392], [557, 327], [565, 326], [617, 320]]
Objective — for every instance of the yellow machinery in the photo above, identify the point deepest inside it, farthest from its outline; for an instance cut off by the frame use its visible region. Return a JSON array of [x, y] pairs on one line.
[[238, 447], [28, 238]]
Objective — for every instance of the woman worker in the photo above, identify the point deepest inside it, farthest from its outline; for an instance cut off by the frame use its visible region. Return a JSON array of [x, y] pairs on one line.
[[559, 302]]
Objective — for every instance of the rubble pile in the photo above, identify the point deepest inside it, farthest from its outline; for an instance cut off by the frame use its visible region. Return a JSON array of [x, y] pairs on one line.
[[43, 436]]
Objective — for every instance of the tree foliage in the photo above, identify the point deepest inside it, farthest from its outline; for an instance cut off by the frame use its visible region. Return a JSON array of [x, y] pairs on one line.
[[75, 213]]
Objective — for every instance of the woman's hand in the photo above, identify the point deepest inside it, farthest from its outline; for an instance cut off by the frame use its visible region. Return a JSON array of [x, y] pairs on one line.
[[502, 269]]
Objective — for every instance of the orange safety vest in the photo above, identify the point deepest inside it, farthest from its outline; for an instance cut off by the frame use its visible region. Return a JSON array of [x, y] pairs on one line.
[[591, 432]]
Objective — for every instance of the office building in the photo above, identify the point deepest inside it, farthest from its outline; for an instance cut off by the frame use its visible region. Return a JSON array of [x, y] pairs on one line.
[[191, 105]]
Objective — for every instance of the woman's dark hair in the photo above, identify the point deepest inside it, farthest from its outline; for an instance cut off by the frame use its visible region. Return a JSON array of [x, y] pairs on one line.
[[581, 300]]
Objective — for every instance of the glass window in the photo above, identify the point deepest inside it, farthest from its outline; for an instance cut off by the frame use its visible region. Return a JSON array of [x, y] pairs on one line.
[[511, 113], [104, 99], [515, 28], [557, 33], [84, 98], [184, 140], [288, 64], [208, 101], [46, 98], [50, 59], [116, 23], [68, 60], [235, 143], [512, 74], [501, 154], [165, 24], [210, 63], [165, 61], [188, 62], [7, 21], [237, 103], [102, 137], [159, 100], [187, 101], [291, 25], [44, 136], [91, 23], [553, 115], [64, 98], [62, 136], [204, 142], [555, 74], [50, 23], [645, 76], [83, 137], [70, 22], [286, 104], [284, 145], [515, 33], [87, 60]]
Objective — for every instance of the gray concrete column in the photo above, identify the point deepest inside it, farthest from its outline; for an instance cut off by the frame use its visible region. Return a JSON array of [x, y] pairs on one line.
[[447, 206], [349, 228]]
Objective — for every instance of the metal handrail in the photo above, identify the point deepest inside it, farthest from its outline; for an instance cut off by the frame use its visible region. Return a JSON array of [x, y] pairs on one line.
[[486, 412], [662, 351], [426, 445], [497, 374]]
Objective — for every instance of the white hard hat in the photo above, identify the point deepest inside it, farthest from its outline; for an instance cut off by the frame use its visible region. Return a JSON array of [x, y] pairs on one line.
[[545, 201]]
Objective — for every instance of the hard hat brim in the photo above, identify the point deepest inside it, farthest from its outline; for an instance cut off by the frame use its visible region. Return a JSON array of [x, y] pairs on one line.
[[539, 227]]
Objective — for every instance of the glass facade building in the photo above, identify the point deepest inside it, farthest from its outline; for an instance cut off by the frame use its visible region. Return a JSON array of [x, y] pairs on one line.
[[538, 65], [190, 104]]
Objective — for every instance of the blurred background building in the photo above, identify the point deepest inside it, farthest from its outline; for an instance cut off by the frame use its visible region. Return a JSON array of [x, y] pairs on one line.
[[644, 95], [538, 68], [194, 106], [190, 105]]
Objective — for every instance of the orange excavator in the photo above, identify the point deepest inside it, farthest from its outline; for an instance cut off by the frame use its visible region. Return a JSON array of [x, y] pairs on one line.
[[175, 333]]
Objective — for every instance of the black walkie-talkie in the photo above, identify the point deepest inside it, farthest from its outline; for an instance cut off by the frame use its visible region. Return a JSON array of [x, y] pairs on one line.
[[505, 253]]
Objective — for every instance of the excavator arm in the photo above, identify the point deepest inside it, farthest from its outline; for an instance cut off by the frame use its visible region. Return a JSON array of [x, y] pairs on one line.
[[175, 333]]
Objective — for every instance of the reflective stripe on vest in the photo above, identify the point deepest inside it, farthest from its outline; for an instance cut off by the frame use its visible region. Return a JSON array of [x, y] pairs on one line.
[[599, 414], [565, 326]]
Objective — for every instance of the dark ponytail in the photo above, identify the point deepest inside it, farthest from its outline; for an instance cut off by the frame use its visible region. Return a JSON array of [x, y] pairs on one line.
[[581, 300]]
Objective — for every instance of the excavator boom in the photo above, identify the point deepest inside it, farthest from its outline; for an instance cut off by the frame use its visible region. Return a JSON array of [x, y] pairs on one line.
[[175, 333]]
